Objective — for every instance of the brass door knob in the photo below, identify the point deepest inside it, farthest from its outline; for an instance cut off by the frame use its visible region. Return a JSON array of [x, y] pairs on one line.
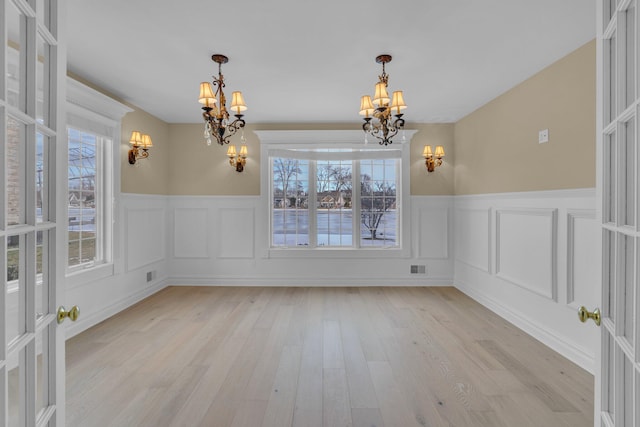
[[584, 315], [71, 314]]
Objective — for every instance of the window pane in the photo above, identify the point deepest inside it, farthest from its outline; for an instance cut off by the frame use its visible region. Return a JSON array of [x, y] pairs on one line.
[[43, 11], [329, 215], [42, 371], [608, 248], [16, 73], [15, 147], [626, 401], [82, 197], [608, 391], [626, 283], [16, 383], [610, 58], [42, 278], [41, 174], [609, 197], [334, 216], [15, 289], [378, 207], [629, 163], [42, 76], [290, 214], [609, 9], [630, 56]]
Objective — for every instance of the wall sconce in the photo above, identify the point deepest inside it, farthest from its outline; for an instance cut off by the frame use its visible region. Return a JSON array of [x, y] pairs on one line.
[[140, 144], [433, 160], [237, 160]]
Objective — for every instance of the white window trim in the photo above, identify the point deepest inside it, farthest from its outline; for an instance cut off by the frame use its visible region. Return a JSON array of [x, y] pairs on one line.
[[271, 141], [99, 108]]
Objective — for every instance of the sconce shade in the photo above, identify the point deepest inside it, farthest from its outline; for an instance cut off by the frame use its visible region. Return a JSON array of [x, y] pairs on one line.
[[136, 138], [398, 102], [366, 107], [243, 151], [427, 153], [231, 151], [237, 103], [381, 97], [439, 151], [140, 147], [206, 94], [146, 141]]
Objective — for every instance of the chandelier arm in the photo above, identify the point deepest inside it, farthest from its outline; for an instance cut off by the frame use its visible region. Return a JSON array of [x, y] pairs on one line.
[[236, 125]]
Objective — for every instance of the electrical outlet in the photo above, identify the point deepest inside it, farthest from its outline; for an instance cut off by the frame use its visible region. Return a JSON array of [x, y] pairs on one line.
[[543, 136], [149, 276]]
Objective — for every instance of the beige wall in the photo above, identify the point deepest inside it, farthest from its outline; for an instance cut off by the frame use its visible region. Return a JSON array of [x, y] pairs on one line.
[[439, 182], [196, 169], [151, 175], [496, 146]]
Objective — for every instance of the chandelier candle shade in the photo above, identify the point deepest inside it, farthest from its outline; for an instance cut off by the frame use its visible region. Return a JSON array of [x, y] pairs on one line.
[[218, 124], [378, 120], [140, 144]]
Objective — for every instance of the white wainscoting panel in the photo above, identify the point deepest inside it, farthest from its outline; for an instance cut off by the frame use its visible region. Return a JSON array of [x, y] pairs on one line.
[[473, 240], [433, 227], [582, 278], [236, 235], [526, 249], [239, 253], [139, 269], [544, 249], [190, 233], [145, 240]]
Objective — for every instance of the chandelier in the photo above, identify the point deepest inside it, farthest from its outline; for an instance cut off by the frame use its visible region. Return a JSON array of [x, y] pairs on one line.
[[218, 125], [378, 120]]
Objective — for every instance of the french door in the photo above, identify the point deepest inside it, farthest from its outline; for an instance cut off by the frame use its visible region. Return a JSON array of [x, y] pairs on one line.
[[32, 125], [617, 401]]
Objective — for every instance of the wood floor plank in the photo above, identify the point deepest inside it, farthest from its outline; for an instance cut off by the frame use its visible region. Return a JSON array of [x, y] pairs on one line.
[[250, 413], [283, 392], [259, 386], [361, 393], [332, 356], [336, 409], [215, 356], [209, 384], [393, 408], [308, 407], [363, 417]]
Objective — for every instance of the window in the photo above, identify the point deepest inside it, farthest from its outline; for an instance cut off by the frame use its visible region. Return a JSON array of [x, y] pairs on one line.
[[93, 140], [86, 184], [335, 198]]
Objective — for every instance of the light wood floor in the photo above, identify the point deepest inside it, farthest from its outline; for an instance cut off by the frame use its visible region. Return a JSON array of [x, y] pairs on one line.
[[334, 357]]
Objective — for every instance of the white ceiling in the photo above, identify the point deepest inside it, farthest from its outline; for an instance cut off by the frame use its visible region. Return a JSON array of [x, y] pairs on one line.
[[311, 61]]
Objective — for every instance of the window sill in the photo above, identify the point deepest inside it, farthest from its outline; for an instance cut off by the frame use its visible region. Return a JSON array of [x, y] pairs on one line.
[[345, 253], [81, 277]]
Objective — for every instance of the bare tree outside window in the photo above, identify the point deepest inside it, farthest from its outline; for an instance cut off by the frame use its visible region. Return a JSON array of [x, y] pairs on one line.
[[376, 199], [329, 219]]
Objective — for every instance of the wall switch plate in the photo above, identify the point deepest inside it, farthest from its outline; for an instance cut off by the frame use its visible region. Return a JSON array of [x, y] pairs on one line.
[[543, 136]]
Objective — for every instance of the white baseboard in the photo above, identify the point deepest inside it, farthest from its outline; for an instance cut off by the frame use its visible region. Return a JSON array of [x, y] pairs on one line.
[[305, 281], [83, 323], [577, 355]]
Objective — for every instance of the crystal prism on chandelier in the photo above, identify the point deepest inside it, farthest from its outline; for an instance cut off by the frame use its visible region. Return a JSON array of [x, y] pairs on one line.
[[218, 124], [379, 118]]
